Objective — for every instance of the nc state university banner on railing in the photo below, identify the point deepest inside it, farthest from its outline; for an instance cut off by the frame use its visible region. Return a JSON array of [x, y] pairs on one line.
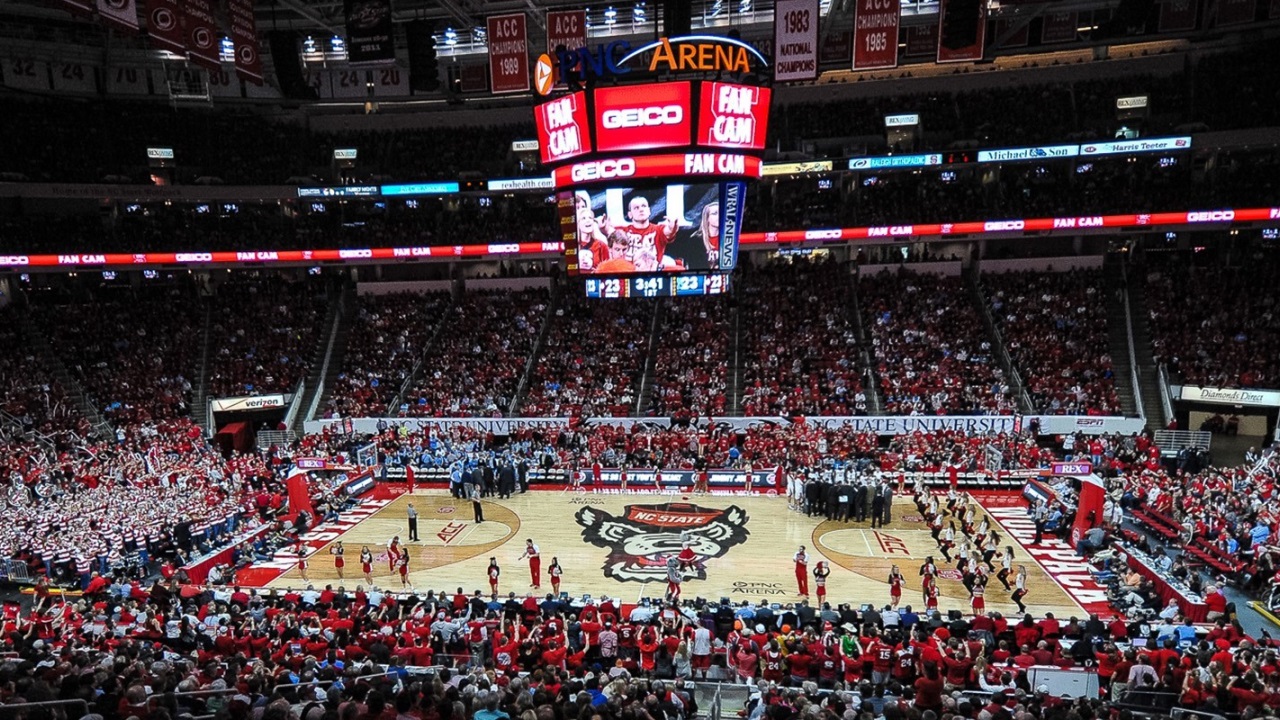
[[121, 14], [244, 33], [164, 26], [202, 34]]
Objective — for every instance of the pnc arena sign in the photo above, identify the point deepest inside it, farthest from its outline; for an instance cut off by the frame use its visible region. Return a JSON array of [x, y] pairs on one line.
[[684, 54]]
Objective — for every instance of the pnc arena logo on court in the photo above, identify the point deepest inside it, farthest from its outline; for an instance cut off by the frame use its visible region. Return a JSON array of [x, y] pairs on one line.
[[640, 541]]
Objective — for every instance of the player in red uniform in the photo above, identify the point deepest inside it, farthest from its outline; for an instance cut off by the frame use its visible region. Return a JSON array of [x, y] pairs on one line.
[[339, 562], [535, 563], [801, 559], [493, 572]]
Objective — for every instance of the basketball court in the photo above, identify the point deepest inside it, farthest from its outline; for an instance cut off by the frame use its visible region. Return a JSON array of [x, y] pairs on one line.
[[616, 545]]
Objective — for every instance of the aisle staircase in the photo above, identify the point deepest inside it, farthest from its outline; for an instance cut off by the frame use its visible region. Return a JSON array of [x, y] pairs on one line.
[[200, 383], [650, 359], [326, 360], [1012, 376], [446, 318], [1150, 383], [866, 356], [736, 361], [58, 369], [522, 387], [1118, 338]]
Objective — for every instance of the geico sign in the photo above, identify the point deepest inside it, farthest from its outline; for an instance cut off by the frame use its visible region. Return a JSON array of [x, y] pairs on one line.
[[1211, 216], [642, 117], [603, 170]]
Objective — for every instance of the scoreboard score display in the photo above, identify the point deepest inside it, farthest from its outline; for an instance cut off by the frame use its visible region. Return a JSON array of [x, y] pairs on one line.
[[649, 180]]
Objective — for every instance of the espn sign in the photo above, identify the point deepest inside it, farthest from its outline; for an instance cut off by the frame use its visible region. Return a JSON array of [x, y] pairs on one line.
[[561, 125], [642, 117], [733, 116]]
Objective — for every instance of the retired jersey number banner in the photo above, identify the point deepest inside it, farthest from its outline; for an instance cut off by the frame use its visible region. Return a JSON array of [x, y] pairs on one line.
[[508, 53], [795, 40], [950, 21], [875, 35]]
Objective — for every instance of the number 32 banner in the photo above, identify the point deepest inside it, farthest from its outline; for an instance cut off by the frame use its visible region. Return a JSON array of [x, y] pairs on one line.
[[795, 40], [875, 35]]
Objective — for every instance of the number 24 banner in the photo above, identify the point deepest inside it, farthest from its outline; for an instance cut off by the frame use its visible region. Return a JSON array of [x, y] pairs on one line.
[[875, 35], [795, 40]]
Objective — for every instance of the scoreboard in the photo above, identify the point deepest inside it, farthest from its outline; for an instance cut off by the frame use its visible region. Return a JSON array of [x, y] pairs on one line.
[[657, 286]]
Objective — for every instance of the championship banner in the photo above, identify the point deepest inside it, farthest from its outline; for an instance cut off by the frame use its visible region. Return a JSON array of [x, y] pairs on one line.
[[922, 40], [370, 36], [122, 14], [508, 53], [968, 53], [1018, 39], [836, 48], [875, 35], [1057, 28], [795, 40], [1236, 12], [567, 28], [1178, 15], [202, 34], [164, 26], [244, 33]]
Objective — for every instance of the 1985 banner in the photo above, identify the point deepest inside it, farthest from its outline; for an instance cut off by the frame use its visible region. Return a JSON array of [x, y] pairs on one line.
[[875, 35]]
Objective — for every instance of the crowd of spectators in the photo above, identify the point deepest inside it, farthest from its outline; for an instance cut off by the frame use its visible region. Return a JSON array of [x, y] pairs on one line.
[[263, 336], [1216, 326], [931, 351], [474, 367], [31, 398], [388, 336], [1054, 326], [800, 353], [592, 360], [134, 351], [692, 363]]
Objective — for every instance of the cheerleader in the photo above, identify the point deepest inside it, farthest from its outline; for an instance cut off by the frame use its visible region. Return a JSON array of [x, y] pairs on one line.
[[302, 561], [622, 477], [555, 572], [674, 578], [493, 572], [657, 480], [1006, 566], [1020, 588], [970, 514], [962, 557], [953, 499], [747, 477], [931, 597], [978, 598], [687, 556], [701, 485], [990, 549], [366, 564], [402, 564], [338, 562], [983, 528], [895, 587], [393, 553], [820, 573], [948, 540], [928, 572]]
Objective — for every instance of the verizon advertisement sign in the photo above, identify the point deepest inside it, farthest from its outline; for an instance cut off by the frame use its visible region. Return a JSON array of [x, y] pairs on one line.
[[508, 53], [795, 40], [733, 116], [1231, 396], [875, 34], [643, 117], [709, 164], [243, 404], [562, 126]]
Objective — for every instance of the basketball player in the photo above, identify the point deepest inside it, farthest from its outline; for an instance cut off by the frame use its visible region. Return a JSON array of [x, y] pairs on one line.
[[554, 572], [338, 562], [820, 573], [801, 559], [1020, 588], [493, 572], [535, 563], [895, 586], [366, 564]]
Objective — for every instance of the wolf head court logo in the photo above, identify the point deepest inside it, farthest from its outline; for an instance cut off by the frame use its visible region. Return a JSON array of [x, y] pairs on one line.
[[640, 542]]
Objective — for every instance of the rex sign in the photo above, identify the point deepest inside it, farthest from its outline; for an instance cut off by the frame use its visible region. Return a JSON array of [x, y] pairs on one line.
[[562, 126], [642, 117], [875, 35], [733, 116]]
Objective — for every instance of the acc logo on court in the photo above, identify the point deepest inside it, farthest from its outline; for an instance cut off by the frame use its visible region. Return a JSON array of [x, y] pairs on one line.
[[640, 541]]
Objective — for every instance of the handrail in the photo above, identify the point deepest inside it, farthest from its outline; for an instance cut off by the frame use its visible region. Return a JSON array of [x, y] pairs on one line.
[[445, 315], [523, 386], [296, 403], [1133, 355], [1166, 398], [328, 353], [46, 703], [650, 359]]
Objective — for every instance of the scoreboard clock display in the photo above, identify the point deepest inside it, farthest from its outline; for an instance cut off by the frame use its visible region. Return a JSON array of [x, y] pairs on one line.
[[649, 286]]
